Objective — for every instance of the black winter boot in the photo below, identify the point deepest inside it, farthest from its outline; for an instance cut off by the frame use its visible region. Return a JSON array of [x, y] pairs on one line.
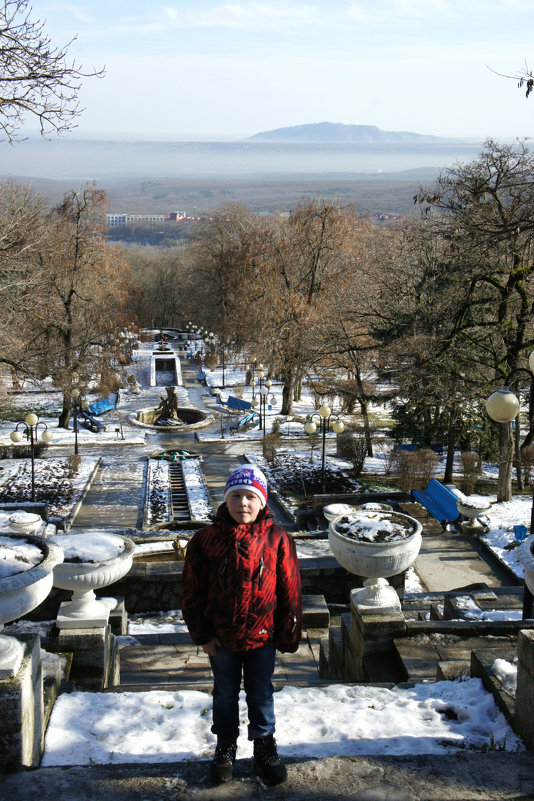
[[222, 767], [267, 764]]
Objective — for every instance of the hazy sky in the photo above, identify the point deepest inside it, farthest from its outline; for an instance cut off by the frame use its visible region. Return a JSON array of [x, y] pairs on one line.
[[210, 69]]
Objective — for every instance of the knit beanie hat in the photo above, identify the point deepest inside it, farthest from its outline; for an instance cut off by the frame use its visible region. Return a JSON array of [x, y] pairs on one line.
[[247, 477]]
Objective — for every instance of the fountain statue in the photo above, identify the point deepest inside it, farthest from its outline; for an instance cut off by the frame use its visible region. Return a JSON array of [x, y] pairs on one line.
[[166, 414]]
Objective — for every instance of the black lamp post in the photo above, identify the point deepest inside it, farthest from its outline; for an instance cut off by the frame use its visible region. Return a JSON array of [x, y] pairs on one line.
[[32, 423], [76, 408], [324, 414], [503, 407]]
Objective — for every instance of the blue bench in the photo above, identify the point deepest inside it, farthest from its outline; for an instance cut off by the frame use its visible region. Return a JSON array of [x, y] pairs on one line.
[[238, 404], [242, 423], [437, 447], [104, 405], [440, 501], [201, 376], [90, 422]]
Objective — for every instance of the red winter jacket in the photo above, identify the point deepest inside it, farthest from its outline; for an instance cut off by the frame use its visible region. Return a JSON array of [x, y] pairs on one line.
[[242, 583]]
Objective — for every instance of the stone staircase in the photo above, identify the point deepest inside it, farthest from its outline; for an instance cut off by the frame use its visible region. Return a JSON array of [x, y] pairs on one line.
[[172, 662]]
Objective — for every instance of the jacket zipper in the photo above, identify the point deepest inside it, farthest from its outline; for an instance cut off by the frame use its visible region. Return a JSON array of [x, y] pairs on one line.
[[261, 573]]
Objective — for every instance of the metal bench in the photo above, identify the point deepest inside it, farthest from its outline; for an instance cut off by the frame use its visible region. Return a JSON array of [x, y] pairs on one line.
[[242, 423], [90, 422], [440, 501]]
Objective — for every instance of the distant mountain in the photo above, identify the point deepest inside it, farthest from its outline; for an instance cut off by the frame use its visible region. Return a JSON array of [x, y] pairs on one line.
[[339, 132]]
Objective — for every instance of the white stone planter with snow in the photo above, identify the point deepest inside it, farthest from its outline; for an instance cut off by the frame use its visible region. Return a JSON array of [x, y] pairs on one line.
[[472, 509], [93, 560], [376, 545], [28, 562], [25, 522]]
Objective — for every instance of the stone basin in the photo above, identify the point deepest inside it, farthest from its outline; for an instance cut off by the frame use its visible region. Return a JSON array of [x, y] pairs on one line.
[[376, 560], [83, 577], [190, 419], [22, 592]]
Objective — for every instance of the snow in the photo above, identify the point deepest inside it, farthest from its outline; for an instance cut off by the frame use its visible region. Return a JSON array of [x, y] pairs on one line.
[[17, 555], [506, 672], [92, 546], [470, 611], [197, 492], [375, 526], [353, 720]]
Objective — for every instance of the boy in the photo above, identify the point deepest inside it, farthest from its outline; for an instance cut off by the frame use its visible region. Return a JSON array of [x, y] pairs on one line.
[[241, 602]]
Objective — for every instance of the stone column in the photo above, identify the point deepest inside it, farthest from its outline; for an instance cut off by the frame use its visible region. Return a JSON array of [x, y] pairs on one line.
[[21, 705], [524, 698], [370, 638]]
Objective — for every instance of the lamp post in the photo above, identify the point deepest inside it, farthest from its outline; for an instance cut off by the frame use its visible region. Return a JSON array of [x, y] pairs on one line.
[[253, 380], [503, 407], [76, 408], [32, 422], [324, 414]]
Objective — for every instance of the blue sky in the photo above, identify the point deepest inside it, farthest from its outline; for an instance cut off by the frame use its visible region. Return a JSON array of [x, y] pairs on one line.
[[210, 69]]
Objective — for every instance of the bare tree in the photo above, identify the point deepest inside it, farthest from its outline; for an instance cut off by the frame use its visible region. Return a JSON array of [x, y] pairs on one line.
[[36, 78], [87, 290]]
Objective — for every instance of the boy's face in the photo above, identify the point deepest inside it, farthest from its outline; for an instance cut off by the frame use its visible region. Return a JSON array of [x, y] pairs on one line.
[[243, 505]]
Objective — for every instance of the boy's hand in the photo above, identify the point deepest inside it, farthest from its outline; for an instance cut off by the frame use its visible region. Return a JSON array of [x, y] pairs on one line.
[[210, 648]]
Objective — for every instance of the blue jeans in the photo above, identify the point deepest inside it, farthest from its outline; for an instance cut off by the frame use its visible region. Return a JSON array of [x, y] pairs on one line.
[[257, 667]]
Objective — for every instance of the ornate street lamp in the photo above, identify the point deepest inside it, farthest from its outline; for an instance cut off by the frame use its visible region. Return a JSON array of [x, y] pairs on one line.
[[32, 422], [310, 427]]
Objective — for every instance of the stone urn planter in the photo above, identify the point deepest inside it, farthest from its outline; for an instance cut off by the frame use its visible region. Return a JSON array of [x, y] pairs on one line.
[[25, 522], [26, 573], [334, 510], [472, 509], [375, 544], [92, 560], [526, 557]]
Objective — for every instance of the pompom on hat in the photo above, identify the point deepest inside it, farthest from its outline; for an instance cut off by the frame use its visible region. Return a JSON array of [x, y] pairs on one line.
[[247, 477]]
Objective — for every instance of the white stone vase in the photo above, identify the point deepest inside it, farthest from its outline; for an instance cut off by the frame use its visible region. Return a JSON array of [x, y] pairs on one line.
[[376, 560], [472, 512], [22, 592], [83, 578]]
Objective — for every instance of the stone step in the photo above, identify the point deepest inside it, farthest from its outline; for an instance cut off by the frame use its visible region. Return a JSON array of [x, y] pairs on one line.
[[172, 661], [433, 657]]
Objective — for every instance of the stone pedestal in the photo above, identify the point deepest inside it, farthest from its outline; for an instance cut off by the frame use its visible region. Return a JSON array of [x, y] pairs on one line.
[[21, 705], [95, 663], [370, 638], [524, 698]]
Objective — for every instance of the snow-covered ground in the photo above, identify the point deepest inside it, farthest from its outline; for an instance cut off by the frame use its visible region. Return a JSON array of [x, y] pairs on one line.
[[353, 720]]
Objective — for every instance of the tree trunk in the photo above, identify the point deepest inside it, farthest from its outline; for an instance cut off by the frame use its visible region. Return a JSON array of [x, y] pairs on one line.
[[451, 443], [64, 417], [365, 413], [288, 377], [517, 454], [366, 427], [506, 457]]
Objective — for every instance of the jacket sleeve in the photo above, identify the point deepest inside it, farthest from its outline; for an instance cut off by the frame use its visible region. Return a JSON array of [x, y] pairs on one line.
[[195, 578], [288, 615]]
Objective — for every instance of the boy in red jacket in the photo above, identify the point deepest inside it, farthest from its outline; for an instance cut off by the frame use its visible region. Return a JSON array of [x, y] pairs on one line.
[[241, 601]]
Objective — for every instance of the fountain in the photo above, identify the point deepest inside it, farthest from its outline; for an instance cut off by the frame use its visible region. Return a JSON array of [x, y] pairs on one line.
[[168, 416], [375, 544]]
